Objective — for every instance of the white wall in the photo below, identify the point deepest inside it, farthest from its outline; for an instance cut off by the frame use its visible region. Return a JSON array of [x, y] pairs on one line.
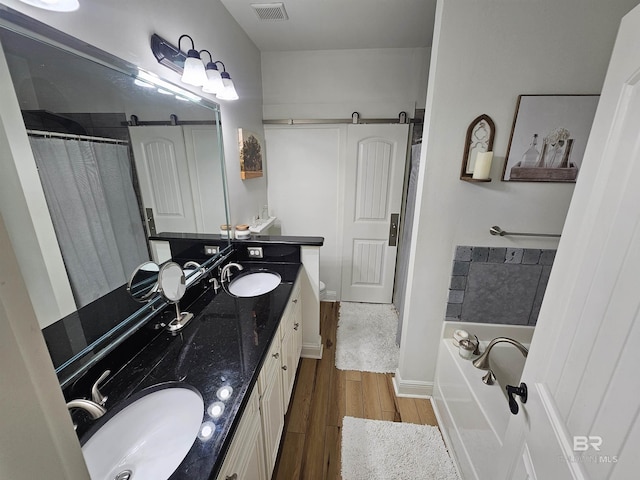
[[304, 168], [336, 83], [124, 28], [485, 54], [305, 164]]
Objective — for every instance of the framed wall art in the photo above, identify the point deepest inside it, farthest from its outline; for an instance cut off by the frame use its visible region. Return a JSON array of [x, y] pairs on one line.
[[250, 154], [548, 137]]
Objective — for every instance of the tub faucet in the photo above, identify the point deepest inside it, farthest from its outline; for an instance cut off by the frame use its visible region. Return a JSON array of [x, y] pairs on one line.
[[225, 275], [482, 362]]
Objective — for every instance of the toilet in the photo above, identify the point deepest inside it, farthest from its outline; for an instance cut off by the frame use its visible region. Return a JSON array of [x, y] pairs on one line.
[[323, 290]]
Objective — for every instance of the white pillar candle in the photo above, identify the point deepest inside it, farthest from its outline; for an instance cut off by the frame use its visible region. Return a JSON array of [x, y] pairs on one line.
[[483, 165]]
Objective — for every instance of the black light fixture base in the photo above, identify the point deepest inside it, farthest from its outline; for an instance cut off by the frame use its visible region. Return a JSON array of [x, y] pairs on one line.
[[167, 55]]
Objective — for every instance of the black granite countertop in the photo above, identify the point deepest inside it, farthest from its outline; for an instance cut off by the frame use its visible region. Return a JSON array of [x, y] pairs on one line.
[[253, 240], [224, 344]]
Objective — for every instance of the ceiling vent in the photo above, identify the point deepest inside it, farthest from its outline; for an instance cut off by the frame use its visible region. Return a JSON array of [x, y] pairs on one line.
[[270, 11]]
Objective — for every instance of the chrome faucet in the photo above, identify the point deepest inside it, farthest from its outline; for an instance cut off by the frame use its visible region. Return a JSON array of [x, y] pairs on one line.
[[94, 410], [95, 406], [225, 275], [482, 362]]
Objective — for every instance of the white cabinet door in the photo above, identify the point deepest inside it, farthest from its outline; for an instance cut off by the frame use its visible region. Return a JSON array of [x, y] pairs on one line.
[[291, 328], [271, 403], [288, 366], [581, 418], [245, 458]]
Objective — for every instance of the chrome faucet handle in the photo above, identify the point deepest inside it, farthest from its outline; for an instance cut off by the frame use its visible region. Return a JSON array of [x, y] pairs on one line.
[[94, 410], [96, 396]]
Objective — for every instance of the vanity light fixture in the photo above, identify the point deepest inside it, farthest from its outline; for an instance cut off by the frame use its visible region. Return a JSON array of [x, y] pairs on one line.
[[54, 5], [193, 71], [214, 79], [175, 59]]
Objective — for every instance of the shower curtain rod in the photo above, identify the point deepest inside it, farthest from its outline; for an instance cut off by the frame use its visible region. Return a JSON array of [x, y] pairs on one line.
[[71, 136]]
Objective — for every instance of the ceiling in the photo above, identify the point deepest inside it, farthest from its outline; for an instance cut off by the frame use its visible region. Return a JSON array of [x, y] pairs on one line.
[[338, 24]]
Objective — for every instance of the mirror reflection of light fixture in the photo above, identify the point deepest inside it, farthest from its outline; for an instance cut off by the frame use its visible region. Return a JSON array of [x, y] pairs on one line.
[[54, 5], [165, 87], [193, 71], [214, 79]]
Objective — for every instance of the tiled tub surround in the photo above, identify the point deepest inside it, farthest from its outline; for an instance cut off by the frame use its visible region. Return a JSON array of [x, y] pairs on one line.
[[224, 344], [498, 285]]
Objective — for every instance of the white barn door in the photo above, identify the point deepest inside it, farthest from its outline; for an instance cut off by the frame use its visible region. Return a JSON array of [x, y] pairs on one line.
[[582, 415], [376, 158], [163, 175]]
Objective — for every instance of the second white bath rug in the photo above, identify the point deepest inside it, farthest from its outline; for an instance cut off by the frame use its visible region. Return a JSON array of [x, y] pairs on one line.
[[366, 337], [378, 450]]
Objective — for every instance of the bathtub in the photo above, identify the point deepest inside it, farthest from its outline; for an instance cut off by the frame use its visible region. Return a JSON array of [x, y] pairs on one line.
[[473, 417]]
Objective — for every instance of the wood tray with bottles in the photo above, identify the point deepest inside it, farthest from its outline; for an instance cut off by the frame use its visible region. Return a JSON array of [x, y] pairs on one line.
[[543, 174]]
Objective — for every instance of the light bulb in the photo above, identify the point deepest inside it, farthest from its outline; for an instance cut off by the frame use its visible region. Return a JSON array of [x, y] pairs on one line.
[[214, 79], [229, 92], [193, 72]]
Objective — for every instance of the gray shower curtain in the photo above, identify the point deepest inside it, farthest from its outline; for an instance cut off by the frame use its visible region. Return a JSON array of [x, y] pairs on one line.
[[89, 192]]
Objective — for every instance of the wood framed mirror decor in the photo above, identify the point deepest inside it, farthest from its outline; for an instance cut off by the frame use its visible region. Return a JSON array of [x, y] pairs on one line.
[[479, 139]]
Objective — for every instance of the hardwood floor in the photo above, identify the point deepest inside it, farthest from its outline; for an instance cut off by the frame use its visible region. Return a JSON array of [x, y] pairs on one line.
[[322, 396]]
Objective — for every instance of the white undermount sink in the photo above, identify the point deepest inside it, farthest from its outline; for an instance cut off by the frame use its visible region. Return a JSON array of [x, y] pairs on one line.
[[149, 438], [254, 284]]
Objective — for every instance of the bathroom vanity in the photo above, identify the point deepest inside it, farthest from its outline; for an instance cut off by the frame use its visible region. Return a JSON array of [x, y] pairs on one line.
[[252, 345]]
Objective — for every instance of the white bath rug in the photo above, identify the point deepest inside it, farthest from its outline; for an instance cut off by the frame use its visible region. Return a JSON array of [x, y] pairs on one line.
[[366, 337], [379, 450]]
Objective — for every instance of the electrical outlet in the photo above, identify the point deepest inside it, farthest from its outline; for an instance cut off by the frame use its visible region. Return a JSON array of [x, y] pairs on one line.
[[255, 252], [211, 249]]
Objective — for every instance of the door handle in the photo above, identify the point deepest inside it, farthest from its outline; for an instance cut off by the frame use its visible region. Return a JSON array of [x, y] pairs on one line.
[[521, 391], [393, 229], [151, 221]]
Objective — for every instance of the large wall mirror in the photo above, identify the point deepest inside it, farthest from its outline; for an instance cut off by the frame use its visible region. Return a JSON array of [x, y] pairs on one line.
[[118, 155]]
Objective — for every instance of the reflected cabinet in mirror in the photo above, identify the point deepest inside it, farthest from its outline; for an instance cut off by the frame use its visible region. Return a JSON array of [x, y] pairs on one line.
[[105, 159]]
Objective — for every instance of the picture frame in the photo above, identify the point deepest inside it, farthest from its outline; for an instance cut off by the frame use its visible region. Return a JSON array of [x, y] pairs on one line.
[[548, 137], [250, 149]]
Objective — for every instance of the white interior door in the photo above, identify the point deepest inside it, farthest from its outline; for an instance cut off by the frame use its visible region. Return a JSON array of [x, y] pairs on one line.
[[582, 415], [163, 175], [376, 157]]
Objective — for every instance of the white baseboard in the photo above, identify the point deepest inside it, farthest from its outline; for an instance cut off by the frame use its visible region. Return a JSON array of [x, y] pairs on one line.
[[411, 388], [312, 350]]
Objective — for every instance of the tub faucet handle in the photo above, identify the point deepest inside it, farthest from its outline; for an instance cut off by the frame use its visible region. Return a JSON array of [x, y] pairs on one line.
[[521, 391]]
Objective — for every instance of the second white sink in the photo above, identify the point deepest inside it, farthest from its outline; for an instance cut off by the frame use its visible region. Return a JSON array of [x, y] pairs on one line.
[[254, 284]]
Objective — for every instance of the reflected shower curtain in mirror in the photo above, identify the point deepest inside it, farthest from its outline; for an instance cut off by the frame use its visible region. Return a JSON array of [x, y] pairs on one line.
[[89, 191]]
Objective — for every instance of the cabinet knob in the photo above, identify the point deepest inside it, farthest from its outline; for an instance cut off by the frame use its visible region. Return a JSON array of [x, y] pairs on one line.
[[232, 477], [295, 300], [284, 367], [295, 326], [276, 355]]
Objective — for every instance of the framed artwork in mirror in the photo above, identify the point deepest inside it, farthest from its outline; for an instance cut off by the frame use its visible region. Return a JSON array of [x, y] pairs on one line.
[[479, 139], [548, 137]]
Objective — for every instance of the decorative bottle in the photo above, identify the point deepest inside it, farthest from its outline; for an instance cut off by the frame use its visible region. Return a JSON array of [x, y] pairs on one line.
[[530, 157]]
